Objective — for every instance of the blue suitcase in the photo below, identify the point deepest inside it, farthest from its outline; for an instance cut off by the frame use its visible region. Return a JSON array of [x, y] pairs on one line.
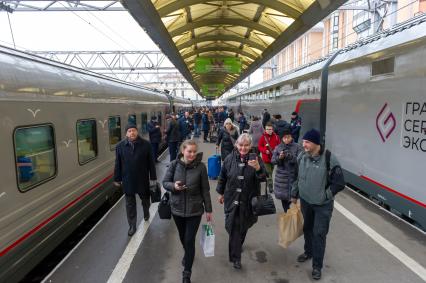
[[213, 166]]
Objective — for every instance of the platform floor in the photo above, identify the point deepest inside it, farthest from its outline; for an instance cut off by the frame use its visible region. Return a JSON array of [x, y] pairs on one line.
[[107, 254]]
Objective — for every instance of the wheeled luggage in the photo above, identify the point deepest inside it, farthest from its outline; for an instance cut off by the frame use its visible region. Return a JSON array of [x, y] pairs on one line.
[[214, 166]]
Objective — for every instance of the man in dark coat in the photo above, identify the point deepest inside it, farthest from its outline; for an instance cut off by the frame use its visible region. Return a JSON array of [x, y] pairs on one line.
[[280, 126], [295, 125], [266, 117], [185, 127], [134, 168], [154, 136], [172, 136], [238, 183]]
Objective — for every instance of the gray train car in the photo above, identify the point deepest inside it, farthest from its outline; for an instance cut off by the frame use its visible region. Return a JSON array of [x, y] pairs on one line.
[[58, 126], [376, 113]]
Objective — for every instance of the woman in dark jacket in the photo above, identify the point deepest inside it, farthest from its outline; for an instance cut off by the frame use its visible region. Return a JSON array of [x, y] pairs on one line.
[[188, 183], [238, 183], [227, 138], [206, 125], [285, 159]]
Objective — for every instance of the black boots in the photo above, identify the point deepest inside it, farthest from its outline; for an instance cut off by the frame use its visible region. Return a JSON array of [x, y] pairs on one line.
[[186, 276], [316, 274], [303, 257], [132, 230], [237, 264]]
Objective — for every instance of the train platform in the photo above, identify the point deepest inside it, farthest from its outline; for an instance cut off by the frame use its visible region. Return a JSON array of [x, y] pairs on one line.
[[365, 244]]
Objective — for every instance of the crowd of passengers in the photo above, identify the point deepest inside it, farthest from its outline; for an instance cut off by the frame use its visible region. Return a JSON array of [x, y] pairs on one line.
[[301, 171]]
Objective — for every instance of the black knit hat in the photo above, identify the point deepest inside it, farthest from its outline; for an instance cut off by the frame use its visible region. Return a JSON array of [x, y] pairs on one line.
[[312, 136], [285, 132], [130, 126]]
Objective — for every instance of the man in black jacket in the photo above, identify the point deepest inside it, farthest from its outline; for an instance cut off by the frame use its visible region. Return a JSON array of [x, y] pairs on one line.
[[134, 168], [154, 136]]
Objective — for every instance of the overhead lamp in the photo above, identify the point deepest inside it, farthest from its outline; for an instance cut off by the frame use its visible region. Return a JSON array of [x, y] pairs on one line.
[[365, 25]]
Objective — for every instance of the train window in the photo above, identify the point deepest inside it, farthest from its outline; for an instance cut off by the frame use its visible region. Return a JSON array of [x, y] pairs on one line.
[[87, 142], [114, 127], [144, 121], [382, 67], [132, 119], [35, 155]]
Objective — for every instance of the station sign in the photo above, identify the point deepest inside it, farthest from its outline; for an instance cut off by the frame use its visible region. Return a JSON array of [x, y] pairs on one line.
[[212, 89], [229, 65]]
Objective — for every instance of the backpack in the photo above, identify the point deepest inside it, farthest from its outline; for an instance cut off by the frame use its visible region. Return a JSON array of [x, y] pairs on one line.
[[335, 178]]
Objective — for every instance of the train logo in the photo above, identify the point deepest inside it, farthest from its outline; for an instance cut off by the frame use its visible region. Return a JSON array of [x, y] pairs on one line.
[[385, 122]]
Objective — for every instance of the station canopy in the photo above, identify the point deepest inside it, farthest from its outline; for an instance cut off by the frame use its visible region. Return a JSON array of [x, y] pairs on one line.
[[216, 44]]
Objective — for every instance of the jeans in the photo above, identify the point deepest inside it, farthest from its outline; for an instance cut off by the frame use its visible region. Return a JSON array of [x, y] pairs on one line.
[[196, 130], [188, 227], [315, 228], [173, 148], [131, 207]]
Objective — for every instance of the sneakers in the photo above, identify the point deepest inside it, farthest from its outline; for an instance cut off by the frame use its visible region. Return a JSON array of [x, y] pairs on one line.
[[237, 264], [303, 257], [316, 274], [132, 230]]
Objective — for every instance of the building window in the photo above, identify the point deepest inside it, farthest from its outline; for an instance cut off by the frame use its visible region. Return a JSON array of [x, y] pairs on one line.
[[336, 20], [383, 67], [295, 85], [114, 126], [35, 155], [335, 43], [87, 142]]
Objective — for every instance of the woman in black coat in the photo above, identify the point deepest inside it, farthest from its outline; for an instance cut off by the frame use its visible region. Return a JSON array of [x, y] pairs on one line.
[[238, 183], [227, 138], [188, 183]]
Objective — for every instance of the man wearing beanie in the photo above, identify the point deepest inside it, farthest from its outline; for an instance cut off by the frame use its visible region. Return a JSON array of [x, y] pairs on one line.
[[316, 192], [134, 168]]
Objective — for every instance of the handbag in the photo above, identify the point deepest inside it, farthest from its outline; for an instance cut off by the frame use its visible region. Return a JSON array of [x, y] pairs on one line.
[[263, 204], [164, 209], [290, 226], [155, 192], [207, 239]]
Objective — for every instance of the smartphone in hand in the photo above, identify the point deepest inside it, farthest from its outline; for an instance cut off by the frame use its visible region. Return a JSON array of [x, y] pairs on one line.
[[252, 156]]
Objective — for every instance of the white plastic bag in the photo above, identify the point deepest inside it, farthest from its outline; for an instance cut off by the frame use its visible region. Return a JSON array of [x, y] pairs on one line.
[[207, 240]]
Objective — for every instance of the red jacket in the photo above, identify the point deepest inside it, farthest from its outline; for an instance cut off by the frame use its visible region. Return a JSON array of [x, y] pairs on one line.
[[273, 140]]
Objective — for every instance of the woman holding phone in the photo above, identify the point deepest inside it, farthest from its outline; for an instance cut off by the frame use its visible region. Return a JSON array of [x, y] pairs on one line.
[[187, 180], [239, 181]]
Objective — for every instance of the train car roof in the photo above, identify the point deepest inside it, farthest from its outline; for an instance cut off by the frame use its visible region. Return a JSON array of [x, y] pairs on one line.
[[28, 76], [414, 28]]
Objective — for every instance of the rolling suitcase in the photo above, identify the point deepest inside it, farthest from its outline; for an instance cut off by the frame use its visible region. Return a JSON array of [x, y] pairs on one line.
[[214, 166]]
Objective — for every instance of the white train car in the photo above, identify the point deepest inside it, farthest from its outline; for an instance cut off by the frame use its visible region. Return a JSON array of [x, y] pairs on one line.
[[58, 126], [376, 113]]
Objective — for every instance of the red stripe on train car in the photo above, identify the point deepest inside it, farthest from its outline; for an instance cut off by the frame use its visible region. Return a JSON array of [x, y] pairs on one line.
[[393, 191], [300, 101], [56, 214]]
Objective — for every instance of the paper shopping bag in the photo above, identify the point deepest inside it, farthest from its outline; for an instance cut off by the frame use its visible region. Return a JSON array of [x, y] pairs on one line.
[[290, 226]]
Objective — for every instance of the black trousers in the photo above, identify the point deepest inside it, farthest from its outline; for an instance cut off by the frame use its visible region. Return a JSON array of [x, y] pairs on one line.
[[154, 146], [236, 240], [206, 134], [173, 149], [286, 204], [131, 207], [188, 227], [315, 228]]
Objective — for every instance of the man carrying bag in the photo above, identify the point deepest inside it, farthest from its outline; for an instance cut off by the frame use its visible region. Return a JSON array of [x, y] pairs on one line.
[[316, 185]]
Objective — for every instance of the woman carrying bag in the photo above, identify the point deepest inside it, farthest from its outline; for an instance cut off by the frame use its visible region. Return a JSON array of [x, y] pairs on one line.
[[187, 181], [238, 183], [226, 139]]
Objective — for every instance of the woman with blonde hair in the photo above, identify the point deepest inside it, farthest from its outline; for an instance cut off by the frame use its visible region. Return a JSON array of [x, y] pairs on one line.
[[239, 181], [227, 138], [187, 180]]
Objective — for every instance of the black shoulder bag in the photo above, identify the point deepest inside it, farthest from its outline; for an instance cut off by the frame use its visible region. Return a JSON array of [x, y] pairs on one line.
[[263, 204]]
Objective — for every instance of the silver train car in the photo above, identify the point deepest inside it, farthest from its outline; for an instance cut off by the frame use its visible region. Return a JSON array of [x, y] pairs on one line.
[[59, 126], [376, 113]]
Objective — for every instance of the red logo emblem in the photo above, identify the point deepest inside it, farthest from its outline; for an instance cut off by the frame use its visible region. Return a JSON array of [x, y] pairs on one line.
[[385, 122]]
